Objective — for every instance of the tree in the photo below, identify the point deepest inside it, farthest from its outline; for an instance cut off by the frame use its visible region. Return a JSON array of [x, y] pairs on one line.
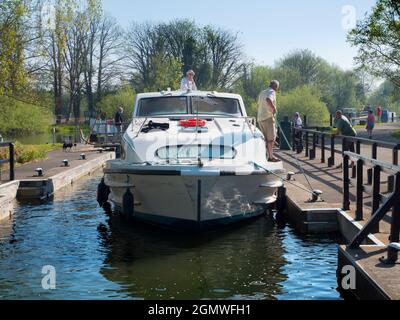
[[309, 68], [182, 42], [387, 96], [109, 54], [53, 44], [225, 54], [342, 90], [165, 72], [123, 97], [102, 54], [143, 43], [377, 38], [12, 40], [305, 100], [253, 79], [74, 56], [215, 54]]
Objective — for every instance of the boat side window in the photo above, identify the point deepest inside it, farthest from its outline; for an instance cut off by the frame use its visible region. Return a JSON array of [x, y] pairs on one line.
[[196, 151], [161, 106], [216, 106]]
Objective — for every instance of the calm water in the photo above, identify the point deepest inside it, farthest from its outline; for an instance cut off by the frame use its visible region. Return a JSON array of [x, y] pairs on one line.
[[99, 258]]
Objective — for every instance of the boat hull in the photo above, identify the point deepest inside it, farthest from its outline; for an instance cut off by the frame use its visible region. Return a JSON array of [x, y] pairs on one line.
[[180, 201]]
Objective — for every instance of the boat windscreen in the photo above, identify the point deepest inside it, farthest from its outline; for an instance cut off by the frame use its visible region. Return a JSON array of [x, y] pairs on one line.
[[160, 106], [216, 106]]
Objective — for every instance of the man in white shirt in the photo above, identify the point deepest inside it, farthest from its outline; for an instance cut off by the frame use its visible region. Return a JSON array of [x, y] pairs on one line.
[[187, 83], [267, 109], [297, 122]]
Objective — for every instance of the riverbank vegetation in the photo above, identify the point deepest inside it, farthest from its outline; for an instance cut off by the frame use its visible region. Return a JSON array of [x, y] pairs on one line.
[[29, 153], [74, 61]]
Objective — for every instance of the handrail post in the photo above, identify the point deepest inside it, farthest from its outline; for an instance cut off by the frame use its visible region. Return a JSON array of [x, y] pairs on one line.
[[346, 183], [294, 139], [358, 147], [395, 155], [376, 193], [12, 162], [314, 146], [360, 190], [354, 172], [322, 148], [106, 131], [344, 142], [331, 160], [395, 161], [393, 254], [388, 204], [374, 156], [307, 144]]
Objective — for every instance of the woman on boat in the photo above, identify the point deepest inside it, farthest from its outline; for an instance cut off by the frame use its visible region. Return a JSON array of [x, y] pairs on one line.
[[187, 83]]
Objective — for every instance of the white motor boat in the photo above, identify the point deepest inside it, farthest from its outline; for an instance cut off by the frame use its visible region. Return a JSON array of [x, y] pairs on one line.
[[191, 161]]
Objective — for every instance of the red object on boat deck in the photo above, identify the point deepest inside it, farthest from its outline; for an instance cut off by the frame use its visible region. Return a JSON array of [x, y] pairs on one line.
[[192, 123]]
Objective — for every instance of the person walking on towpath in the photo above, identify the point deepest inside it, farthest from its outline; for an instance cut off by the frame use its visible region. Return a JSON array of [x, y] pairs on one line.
[[370, 123]]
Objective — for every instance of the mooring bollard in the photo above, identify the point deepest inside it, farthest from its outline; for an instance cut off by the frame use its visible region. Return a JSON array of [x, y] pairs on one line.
[[39, 172], [290, 175]]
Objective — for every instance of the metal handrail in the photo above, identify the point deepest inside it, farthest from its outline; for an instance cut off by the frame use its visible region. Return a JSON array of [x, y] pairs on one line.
[[381, 204], [316, 135], [373, 162], [382, 144]]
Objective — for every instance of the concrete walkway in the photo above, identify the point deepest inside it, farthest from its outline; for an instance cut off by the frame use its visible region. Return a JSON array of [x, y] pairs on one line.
[[55, 176], [374, 279], [330, 181], [53, 165], [382, 132]]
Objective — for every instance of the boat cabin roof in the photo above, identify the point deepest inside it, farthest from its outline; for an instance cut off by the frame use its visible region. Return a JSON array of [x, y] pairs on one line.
[[152, 104]]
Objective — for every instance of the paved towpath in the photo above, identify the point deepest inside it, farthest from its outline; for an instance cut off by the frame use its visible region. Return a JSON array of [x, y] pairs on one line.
[[53, 165]]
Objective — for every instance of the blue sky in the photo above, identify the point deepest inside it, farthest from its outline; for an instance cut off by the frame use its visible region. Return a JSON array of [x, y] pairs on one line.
[[268, 29]]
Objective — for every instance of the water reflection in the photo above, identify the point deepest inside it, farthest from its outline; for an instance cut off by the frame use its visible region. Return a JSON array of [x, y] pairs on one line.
[[243, 262], [97, 257]]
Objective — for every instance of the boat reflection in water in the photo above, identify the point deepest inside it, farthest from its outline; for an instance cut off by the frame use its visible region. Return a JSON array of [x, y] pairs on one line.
[[243, 262]]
